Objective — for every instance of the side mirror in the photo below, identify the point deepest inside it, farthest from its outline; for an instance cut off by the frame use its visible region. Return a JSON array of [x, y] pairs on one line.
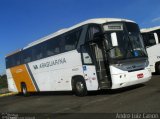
[[114, 39], [156, 37]]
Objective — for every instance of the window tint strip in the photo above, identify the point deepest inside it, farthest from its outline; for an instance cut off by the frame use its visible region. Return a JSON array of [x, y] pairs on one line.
[[60, 44]]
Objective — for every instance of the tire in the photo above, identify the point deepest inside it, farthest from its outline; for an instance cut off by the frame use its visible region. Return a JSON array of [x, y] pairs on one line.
[[24, 90], [158, 68], [79, 87]]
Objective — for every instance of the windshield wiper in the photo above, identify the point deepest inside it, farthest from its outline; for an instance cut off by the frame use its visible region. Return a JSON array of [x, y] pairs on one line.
[[109, 49]]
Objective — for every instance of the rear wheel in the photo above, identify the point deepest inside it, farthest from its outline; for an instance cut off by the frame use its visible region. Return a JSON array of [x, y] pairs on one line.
[[24, 89], [79, 87]]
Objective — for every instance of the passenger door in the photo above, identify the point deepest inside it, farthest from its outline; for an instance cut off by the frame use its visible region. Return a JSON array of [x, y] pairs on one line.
[[89, 68], [98, 55]]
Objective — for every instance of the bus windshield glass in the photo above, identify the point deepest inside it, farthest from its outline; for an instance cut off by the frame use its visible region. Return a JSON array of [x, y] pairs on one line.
[[130, 44]]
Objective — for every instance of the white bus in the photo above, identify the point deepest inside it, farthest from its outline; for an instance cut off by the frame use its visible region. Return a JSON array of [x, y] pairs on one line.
[[151, 37], [103, 53]]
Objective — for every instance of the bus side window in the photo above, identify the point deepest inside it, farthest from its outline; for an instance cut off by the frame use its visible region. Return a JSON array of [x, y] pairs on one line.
[[145, 39], [148, 39], [91, 31], [56, 46], [10, 62], [52, 47], [61, 44], [17, 59], [37, 52], [151, 40], [86, 57], [71, 40], [27, 56]]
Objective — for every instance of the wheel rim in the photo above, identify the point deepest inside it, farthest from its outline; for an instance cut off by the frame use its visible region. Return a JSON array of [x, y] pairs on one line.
[[24, 90], [80, 86]]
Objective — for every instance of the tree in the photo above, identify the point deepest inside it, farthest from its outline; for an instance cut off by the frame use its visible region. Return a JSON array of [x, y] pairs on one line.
[[4, 77], [3, 81]]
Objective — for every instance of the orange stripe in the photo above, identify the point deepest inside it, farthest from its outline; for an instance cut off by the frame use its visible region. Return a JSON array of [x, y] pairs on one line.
[[20, 74]]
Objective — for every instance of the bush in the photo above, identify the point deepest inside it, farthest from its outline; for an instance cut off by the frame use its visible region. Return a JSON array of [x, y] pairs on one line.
[[3, 81]]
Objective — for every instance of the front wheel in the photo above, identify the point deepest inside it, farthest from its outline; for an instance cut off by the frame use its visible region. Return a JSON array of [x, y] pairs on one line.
[[79, 87]]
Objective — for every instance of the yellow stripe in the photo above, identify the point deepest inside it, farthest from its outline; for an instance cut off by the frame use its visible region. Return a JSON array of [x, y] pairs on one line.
[[20, 74], [7, 94]]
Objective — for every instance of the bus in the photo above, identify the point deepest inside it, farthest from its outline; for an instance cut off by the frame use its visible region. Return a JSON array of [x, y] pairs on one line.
[[151, 38], [100, 53]]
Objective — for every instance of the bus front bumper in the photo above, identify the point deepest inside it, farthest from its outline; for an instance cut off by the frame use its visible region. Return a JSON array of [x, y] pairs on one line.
[[130, 78]]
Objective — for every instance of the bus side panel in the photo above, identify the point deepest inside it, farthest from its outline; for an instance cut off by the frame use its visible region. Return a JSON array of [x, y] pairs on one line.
[[153, 55], [56, 80], [63, 81], [55, 73], [11, 84]]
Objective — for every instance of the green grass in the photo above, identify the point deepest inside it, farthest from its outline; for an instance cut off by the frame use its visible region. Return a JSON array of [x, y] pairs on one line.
[[3, 82]]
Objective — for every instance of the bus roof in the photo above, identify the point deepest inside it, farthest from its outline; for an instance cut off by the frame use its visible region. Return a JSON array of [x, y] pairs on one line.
[[145, 30], [96, 21], [13, 53]]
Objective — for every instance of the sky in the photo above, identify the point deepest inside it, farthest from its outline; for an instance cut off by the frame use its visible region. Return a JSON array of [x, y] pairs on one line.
[[24, 21]]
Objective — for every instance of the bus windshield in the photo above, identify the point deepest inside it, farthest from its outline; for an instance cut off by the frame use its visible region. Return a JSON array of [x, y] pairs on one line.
[[130, 44]]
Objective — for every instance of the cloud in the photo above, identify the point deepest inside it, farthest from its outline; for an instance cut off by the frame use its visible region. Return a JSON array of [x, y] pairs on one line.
[[156, 19]]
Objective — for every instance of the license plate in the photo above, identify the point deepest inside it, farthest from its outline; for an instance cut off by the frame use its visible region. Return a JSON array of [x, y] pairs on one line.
[[140, 75]]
